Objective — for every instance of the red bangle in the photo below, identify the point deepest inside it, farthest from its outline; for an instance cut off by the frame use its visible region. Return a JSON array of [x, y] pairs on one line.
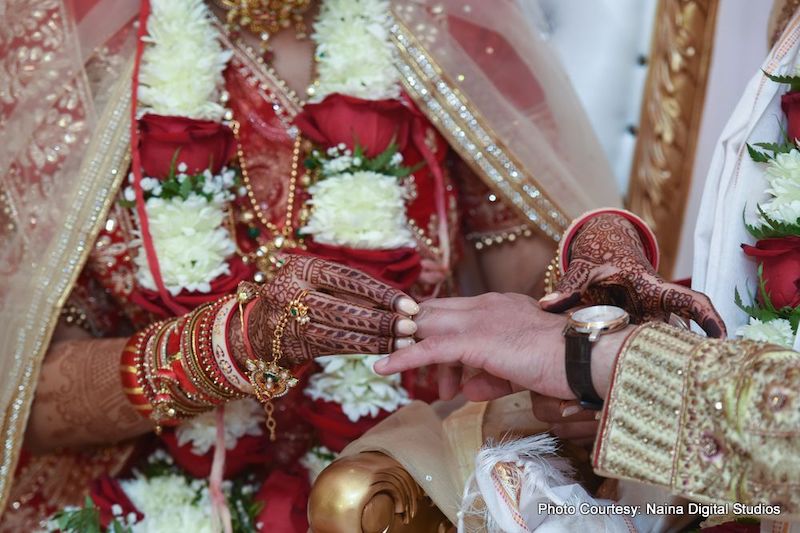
[[645, 233], [134, 383]]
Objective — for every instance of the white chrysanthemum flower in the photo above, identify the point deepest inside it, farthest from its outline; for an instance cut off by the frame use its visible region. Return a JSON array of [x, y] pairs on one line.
[[363, 210], [354, 53], [181, 69], [170, 503], [316, 460], [190, 242], [350, 381], [778, 331], [783, 175], [242, 417]]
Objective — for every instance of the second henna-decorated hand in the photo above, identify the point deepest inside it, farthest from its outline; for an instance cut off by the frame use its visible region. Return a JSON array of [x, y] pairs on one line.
[[348, 312], [607, 264]]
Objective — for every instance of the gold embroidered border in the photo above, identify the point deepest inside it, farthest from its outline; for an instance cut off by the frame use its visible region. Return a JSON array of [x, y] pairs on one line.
[[101, 173], [672, 109], [469, 134]]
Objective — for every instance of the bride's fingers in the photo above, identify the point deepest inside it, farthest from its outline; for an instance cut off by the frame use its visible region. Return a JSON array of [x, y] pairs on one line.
[[331, 311], [328, 340], [340, 279]]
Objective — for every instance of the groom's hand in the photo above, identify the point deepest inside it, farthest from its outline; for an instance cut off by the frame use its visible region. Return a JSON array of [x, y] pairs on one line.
[[500, 343]]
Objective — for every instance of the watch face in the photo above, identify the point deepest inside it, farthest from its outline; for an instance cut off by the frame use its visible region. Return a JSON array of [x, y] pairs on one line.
[[598, 314]]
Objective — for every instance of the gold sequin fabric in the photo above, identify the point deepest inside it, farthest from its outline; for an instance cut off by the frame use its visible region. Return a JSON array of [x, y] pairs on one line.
[[716, 421]]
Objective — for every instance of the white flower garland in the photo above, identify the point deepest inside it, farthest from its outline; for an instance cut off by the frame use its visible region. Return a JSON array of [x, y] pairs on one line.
[[170, 503], [190, 241], [362, 209], [783, 175], [778, 331], [354, 55], [316, 460], [242, 417], [181, 68], [349, 380]]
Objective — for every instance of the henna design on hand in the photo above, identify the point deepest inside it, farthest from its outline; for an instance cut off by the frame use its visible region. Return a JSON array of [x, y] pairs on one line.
[[350, 311], [608, 265]]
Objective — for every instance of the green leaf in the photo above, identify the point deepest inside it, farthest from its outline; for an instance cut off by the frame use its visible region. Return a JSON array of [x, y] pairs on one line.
[[758, 157], [382, 160], [185, 188], [776, 148], [772, 228], [86, 520], [793, 81]]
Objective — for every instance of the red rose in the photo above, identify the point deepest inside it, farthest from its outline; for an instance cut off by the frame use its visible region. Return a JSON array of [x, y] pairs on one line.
[[201, 144], [372, 124], [790, 103], [284, 499], [106, 492], [780, 258]]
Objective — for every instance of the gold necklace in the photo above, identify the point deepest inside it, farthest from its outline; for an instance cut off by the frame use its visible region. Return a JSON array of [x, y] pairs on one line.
[[266, 17], [268, 256]]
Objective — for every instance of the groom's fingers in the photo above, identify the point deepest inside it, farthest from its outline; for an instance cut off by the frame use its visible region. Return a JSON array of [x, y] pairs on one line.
[[440, 321], [431, 351], [485, 387]]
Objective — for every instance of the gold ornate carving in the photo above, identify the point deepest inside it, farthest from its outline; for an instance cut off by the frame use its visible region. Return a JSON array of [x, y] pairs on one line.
[[371, 493], [670, 118]]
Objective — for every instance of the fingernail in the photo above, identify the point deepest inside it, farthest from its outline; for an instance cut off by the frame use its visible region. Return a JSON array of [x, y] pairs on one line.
[[407, 306], [405, 342], [380, 364], [406, 327], [549, 297], [570, 410]]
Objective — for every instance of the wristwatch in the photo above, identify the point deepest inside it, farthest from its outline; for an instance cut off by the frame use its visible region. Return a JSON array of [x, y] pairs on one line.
[[583, 329]]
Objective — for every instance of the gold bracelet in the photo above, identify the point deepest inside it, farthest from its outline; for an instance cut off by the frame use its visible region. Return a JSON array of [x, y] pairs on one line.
[[552, 275], [269, 379]]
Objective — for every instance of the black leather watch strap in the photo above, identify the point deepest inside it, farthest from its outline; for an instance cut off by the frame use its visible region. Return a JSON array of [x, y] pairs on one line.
[[578, 361]]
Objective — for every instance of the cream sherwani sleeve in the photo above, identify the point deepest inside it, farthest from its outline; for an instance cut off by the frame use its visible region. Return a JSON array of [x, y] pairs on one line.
[[715, 421]]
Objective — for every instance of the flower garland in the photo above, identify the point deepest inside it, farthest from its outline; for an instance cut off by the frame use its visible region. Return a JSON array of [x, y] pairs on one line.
[[242, 417], [775, 309], [357, 201], [181, 70], [159, 498], [186, 214], [354, 55], [350, 381]]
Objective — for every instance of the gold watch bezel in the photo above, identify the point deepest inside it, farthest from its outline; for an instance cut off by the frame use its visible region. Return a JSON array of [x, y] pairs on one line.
[[597, 328]]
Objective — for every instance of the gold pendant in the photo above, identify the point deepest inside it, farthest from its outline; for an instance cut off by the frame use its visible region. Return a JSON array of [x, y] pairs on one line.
[[269, 380]]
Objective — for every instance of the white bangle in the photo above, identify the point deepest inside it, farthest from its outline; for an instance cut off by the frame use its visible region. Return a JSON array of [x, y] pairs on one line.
[[222, 355]]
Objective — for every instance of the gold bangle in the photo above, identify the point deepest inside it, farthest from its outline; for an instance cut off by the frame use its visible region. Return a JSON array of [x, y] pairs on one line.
[[191, 364]]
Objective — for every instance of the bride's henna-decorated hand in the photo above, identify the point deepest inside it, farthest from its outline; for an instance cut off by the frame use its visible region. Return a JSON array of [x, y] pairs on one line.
[[349, 312], [608, 264]]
